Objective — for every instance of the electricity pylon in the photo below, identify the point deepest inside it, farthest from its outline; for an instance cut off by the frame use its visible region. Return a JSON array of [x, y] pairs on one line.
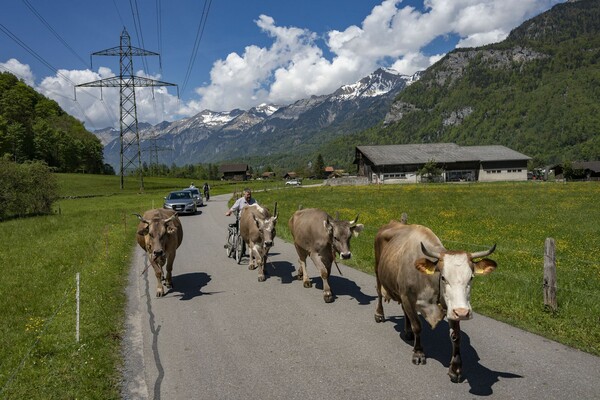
[[127, 82]]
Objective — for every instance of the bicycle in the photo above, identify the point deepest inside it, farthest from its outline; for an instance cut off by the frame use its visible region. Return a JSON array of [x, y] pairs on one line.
[[234, 246]]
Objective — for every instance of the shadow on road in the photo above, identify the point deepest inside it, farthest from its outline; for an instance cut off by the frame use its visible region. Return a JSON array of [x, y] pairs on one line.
[[437, 346], [341, 286], [190, 285], [281, 269]]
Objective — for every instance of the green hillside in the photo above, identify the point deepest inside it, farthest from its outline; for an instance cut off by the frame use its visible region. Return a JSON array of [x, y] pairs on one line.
[[33, 127], [537, 92]]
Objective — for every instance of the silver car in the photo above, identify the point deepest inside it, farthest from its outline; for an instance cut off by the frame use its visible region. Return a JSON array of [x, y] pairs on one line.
[[181, 201], [196, 195]]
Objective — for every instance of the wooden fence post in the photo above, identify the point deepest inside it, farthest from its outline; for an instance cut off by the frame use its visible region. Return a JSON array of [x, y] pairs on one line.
[[550, 275], [404, 218]]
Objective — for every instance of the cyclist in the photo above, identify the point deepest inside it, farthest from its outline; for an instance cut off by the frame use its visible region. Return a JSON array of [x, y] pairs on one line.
[[241, 203], [237, 207], [206, 190]]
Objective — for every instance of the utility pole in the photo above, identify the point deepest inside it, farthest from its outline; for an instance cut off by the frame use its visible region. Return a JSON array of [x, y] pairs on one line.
[[127, 82]]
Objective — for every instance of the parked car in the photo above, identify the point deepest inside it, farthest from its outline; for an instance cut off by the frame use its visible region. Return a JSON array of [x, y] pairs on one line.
[[196, 195], [181, 201], [293, 182]]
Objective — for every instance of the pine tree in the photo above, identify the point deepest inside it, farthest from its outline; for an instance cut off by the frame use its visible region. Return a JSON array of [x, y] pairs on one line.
[[319, 167]]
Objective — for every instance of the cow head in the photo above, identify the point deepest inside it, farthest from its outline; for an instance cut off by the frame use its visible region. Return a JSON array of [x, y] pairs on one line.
[[155, 233], [456, 271], [340, 233], [266, 227]]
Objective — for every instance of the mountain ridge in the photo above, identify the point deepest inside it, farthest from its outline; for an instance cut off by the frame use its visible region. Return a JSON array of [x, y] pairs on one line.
[[210, 136]]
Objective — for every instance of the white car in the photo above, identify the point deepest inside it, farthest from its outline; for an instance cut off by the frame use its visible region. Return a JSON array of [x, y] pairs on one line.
[[293, 182]]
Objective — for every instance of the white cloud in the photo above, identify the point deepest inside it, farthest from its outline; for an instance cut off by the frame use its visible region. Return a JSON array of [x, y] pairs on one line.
[[21, 71]]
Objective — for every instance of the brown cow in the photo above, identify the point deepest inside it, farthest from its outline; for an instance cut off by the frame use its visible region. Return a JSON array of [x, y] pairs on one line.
[[257, 228], [413, 268], [160, 234], [318, 235]]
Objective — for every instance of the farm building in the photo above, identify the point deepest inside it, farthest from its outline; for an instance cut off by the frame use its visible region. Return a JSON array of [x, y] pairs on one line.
[[401, 163], [585, 170], [237, 172]]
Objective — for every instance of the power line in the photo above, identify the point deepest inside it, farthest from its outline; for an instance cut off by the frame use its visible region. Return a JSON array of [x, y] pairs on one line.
[[18, 41], [137, 24], [118, 13], [43, 20], [199, 34]]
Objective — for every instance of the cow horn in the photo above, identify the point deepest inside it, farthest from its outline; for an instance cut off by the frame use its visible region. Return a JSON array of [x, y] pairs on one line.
[[480, 254], [140, 217], [355, 219], [428, 253], [171, 218], [275, 211]]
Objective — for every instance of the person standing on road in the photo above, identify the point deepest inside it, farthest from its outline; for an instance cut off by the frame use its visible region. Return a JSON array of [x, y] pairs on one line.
[[241, 203]]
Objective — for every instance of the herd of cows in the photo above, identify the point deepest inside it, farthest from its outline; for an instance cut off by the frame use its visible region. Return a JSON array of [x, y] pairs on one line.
[[412, 266]]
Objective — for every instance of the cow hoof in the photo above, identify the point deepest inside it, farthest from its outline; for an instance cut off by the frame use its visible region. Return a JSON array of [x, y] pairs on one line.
[[419, 358], [169, 286], [307, 284], [159, 293], [328, 298], [252, 267], [455, 377], [262, 278], [379, 318], [299, 277]]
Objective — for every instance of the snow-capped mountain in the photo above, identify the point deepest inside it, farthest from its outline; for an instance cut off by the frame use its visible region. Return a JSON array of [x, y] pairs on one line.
[[210, 137]]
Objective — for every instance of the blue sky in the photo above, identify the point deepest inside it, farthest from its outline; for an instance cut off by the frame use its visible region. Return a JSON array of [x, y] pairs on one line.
[[250, 52]]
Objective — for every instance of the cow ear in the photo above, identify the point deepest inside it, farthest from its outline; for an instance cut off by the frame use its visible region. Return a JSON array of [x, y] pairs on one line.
[[356, 229], [425, 266], [485, 266]]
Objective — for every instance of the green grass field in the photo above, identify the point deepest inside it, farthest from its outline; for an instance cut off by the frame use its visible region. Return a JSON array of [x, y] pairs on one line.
[[92, 233]]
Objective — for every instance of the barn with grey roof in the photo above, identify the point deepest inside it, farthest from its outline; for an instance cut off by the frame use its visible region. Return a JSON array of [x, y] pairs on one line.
[[401, 163]]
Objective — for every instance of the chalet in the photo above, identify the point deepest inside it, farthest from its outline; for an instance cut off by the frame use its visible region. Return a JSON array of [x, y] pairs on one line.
[[268, 175], [290, 175], [401, 163], [236, 172]]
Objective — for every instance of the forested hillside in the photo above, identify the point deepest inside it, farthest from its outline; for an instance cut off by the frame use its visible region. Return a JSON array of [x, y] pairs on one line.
[[33, 127], [537, 92]]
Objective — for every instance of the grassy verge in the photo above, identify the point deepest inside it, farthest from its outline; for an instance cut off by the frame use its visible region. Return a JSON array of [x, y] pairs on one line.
[[516, 216]]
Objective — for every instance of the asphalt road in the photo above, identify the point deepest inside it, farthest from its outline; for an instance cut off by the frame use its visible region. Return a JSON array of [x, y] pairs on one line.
[[221, 334]]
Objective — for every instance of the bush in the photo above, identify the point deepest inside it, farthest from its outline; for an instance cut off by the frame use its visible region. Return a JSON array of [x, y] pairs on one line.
[[26, 189]]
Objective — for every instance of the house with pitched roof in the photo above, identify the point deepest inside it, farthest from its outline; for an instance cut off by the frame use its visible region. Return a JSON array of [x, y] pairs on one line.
[[237, 172]]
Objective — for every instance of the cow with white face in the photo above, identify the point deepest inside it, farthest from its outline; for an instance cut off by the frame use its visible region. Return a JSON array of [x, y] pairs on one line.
[[413, 268], [318, 235]]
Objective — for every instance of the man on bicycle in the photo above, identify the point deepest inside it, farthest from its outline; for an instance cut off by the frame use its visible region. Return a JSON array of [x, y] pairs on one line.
[[241, 203], [206, 190]]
